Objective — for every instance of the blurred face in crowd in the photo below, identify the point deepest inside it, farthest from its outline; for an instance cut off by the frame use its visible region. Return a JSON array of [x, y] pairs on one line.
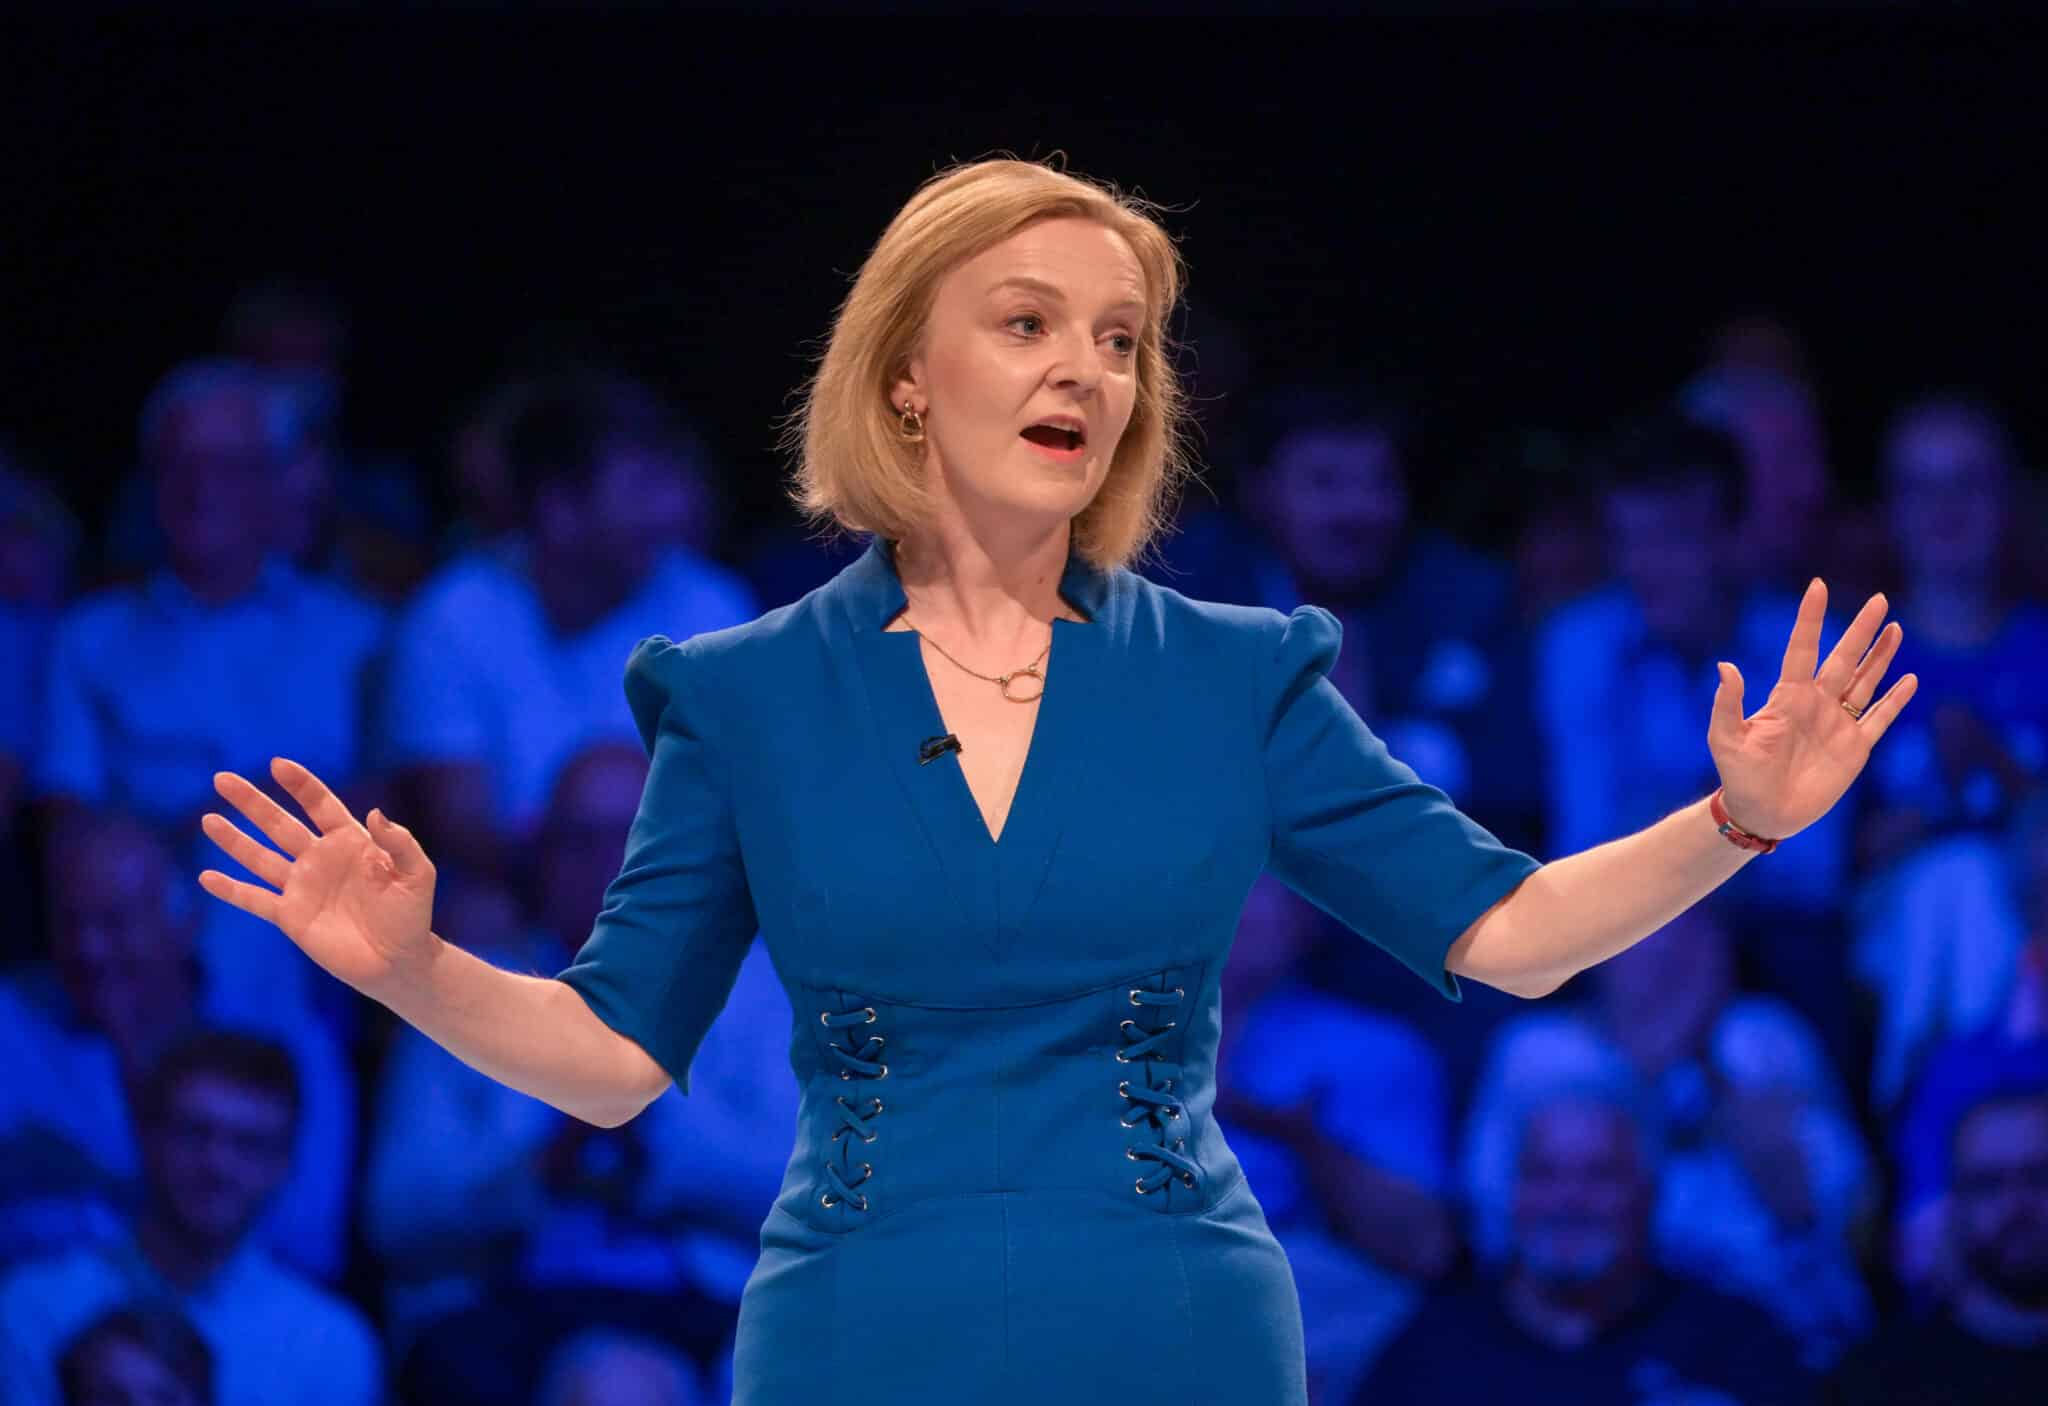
[[1339, 506], [1045, 323], [118, 953], [1663, 542], [639, 499], [584, 834], [1947, 489], [222, 1148], [1582, 1195], [215, 484], [120, 1372], [1999, 1198]]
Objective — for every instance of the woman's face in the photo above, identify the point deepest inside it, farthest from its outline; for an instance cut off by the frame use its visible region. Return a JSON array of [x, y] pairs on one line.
[[1044, 324]]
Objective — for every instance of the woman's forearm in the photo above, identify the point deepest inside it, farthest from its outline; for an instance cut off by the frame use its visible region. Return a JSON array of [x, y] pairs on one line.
[[1578, 911], [530, 1033]]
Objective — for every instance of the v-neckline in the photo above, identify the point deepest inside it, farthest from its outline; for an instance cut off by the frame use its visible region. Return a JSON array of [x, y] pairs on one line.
[[993, 840], [993, 879]]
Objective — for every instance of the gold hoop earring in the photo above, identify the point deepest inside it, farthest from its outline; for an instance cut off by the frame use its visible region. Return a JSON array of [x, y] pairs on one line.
[[910, 426]]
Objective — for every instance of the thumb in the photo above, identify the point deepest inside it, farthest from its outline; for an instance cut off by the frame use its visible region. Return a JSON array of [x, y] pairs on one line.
[[395, 840], [1726, 724]]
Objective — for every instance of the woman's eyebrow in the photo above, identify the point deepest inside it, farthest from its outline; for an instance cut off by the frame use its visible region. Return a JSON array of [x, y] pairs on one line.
[[1040, 286]]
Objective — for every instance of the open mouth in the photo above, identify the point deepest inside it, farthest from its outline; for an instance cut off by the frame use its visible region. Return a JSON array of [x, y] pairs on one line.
[[1054, 437]]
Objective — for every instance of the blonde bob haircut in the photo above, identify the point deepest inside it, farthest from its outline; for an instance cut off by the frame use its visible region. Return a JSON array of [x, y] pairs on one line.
[[853, 467]]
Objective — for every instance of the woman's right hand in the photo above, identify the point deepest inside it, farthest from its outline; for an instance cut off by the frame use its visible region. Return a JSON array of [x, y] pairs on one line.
[[358, 901]]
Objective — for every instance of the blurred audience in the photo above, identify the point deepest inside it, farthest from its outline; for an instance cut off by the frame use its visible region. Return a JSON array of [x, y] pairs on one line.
[[79, 1033], [509, 658], [1352, 1173], [214, 1118], [498, 1215], [139, 1354], [1807, 1117], [1580, 1310], [1626, 677], [1986, 1342], [1433, 658], [1766, 1191]]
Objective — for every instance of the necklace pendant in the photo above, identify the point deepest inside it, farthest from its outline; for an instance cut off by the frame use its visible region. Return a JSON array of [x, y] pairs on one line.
[[1031, 669]]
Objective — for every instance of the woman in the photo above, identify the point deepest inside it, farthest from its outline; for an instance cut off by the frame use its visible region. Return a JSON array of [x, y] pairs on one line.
[[1000, 901]]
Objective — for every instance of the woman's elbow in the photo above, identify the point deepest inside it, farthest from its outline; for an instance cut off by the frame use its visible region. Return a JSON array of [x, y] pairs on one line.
[[1489, 952]]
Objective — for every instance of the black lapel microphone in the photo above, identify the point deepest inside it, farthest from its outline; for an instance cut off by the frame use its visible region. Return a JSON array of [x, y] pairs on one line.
[[933, 747]]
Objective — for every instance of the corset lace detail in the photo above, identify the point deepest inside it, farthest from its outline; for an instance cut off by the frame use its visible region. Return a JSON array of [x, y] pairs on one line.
[[859, 1062], [1154, 1108]]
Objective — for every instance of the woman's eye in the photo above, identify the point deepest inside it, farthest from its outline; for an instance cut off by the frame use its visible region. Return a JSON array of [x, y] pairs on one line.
[[1130, 342], [1022, 317]]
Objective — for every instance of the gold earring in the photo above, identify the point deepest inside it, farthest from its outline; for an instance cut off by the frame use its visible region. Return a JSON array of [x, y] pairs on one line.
[[910, 425]]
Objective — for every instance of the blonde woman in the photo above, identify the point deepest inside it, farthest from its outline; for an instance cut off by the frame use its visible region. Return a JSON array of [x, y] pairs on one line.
[[993, 801]]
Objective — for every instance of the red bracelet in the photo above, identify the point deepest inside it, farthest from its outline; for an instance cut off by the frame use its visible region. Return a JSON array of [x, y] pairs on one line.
[[1737, 836]]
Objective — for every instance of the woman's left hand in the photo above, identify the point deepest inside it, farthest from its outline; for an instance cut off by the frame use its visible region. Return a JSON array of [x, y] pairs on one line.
[[1786, 766]]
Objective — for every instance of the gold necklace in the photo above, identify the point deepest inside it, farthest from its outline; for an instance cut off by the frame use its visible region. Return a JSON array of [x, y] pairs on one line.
[[1004, 679]]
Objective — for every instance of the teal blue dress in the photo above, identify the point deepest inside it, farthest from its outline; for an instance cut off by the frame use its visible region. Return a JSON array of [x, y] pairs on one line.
[[1006, 1185]]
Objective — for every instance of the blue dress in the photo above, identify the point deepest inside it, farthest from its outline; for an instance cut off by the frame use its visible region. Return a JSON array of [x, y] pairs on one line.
[[1006, 1186]]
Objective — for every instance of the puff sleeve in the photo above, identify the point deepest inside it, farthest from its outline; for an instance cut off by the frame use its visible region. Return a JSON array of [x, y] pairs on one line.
[[1354, 830], [665, 950]]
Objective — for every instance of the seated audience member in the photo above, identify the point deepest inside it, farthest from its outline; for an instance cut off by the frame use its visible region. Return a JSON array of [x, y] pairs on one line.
[[214, 1118], [1626, 679], [2011, 1047], [139, 1354], [219, 659], [1976, 740], [1434, 659], [510, 658], [1781, 538], [79, 1031], [1352, 1172], [360, 521], [1766, 1187], [498, 1217], [1986, 1343], [1580, 1311], [1936, 934], [603, 1367]]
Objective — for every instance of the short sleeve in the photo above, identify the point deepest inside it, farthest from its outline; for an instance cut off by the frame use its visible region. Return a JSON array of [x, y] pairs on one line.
[[662, 957], [1354, 830]]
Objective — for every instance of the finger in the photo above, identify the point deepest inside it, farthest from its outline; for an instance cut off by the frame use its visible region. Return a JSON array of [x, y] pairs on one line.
[[395, 840], [1879, 715], [1872, 670], [266, 864], [247, 897], [1726, 723], [1802, 651], [286, 830], [321, 805], [1839, 670]]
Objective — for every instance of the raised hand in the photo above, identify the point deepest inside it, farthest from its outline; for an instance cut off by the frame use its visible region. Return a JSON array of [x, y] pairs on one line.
[[1786, 765], [359, 901]]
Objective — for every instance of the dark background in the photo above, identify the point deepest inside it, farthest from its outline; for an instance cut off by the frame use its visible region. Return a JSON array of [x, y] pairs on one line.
[[1533, 219]]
